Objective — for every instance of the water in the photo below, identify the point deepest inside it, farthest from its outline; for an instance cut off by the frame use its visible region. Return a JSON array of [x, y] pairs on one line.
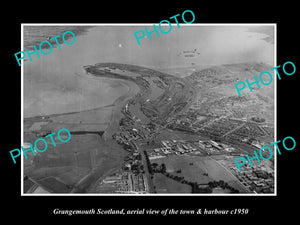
[[57, 83]]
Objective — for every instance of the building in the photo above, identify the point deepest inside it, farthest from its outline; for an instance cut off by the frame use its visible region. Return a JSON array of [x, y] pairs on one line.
[[216, 145]]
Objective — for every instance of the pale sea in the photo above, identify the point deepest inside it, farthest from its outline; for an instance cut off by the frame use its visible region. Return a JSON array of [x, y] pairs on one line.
[[57, 83]]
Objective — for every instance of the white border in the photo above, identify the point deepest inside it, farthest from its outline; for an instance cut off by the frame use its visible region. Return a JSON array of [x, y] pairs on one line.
[[151, 24]]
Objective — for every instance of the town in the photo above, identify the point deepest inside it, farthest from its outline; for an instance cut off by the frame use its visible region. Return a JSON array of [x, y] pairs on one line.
[[261, 80], [216, 133], [170, 140]]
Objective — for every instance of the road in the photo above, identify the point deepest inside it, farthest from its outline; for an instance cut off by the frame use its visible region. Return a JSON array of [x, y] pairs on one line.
[[147, 172], [234, 129]]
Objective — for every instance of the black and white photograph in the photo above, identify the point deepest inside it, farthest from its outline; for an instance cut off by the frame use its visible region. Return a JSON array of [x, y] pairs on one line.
[[134, 113], [160, 117]]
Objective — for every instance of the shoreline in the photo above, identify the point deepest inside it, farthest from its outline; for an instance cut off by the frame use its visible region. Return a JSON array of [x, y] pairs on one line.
[[124, 83], [65, 113]]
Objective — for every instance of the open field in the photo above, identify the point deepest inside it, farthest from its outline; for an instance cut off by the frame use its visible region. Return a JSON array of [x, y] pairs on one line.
[[78, 163], [54, 185], [194, 169], [167, 185]]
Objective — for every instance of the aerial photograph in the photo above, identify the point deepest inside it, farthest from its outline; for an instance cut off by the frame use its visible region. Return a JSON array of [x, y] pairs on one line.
[[159, 118]]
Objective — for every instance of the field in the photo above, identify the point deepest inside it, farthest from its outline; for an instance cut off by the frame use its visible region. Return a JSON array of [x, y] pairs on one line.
[[54, 185], [195, 169], [76, 164], [167, 185]]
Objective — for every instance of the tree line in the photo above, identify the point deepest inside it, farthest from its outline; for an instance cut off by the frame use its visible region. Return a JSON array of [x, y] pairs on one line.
[[195, 187]]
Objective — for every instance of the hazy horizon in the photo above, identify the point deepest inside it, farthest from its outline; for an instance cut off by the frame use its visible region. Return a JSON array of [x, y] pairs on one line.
[[56, 82]]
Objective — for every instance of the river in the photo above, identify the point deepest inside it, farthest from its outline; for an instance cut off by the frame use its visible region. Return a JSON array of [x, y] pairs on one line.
[[57, 83]]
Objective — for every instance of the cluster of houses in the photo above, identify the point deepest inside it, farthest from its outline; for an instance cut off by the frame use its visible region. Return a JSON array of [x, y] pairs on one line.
[[259, 180], [179, 147]]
